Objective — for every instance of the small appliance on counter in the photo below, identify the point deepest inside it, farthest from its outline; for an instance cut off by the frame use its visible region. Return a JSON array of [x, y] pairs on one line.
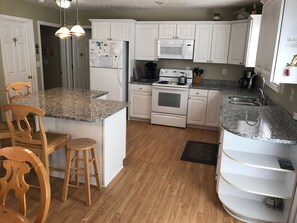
[[150, 70], [244, 81]]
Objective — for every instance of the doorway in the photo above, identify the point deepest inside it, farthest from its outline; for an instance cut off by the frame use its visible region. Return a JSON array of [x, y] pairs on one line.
[[65, 62]]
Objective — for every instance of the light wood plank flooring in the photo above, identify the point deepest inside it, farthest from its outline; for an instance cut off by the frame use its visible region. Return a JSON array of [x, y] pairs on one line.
[[154, 186]]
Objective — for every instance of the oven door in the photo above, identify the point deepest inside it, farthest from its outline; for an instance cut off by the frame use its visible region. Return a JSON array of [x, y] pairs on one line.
[[170, 100]]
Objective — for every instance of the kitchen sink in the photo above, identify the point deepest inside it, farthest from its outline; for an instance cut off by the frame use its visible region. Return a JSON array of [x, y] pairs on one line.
[[237, 100]]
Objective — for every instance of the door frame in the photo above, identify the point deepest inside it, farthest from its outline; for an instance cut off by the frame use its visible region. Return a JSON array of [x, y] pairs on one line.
[[31, 47], [42, 23]]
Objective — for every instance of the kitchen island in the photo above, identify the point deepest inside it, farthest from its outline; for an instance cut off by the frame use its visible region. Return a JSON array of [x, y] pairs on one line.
[[81, 113]]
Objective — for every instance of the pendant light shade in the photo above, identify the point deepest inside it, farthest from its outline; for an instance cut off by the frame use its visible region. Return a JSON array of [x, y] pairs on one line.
[[77, 30], [63, 31], [63, 3]]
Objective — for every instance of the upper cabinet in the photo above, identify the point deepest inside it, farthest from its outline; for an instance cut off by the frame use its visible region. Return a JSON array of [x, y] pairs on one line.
[[176, 31], [146, 41], [269, 36], [237, 43], [212, 43], [116, 29]]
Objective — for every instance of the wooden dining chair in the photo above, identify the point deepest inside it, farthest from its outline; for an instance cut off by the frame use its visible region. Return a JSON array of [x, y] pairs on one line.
[[17, 163], [41, 143], [17, 88]]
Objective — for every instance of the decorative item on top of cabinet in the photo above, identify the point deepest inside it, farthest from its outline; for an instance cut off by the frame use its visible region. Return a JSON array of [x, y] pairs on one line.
[[140, 98], [176, 31], [146, 41], [212, 42]]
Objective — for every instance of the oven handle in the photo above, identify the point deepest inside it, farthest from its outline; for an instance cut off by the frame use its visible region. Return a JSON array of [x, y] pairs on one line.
[[171, 88]]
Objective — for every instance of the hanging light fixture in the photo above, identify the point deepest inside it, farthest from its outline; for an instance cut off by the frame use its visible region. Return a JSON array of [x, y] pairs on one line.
[[77, 30], [63, 31], [63, 3]]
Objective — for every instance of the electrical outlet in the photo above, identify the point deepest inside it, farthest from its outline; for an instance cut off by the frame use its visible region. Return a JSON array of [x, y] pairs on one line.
[[292, 95], [224, 71]]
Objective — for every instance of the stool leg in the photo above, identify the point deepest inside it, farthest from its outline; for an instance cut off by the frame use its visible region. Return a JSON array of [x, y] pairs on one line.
[[67, 173], [77, 168], [95, 165], [87, 178]]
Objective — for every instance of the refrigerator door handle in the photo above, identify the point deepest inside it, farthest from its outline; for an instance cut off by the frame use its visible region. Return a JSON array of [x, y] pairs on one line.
[[119, 78]]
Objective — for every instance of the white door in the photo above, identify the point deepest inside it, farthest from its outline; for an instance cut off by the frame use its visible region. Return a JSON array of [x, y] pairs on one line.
[[80, 62], [18, 53], [203, 39]]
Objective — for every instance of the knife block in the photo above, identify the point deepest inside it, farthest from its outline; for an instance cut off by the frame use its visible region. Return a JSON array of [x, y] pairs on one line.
[[196, 79]]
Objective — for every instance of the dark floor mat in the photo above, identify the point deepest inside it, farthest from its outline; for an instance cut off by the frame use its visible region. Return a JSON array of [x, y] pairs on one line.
[[200, 152]]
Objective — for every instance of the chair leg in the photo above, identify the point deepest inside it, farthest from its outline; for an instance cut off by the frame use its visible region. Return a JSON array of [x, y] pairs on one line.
[[87, 178], [95, 165], [77, 167], [66, 177]]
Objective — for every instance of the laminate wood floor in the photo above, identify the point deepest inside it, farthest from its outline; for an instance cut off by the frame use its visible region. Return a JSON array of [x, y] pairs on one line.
[[154, 186]]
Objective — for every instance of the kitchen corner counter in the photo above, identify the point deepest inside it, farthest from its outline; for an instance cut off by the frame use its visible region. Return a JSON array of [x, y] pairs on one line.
[[73, 104], [269, 122]]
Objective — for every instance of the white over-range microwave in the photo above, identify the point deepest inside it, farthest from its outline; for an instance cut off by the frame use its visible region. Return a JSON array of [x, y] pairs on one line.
[[175, 49]]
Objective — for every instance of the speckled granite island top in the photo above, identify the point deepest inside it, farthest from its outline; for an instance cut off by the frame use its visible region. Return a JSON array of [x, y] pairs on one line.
[[73, 104], [269, 122]]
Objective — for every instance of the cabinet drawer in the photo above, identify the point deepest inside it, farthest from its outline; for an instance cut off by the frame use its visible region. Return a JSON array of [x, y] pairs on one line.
[[141, 88], [198, 92]]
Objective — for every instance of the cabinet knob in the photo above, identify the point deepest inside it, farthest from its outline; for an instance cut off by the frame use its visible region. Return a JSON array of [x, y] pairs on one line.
[[197, 92], [140, 88]]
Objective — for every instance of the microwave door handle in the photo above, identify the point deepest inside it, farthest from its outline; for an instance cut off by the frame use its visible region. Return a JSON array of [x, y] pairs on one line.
[[183, 49]]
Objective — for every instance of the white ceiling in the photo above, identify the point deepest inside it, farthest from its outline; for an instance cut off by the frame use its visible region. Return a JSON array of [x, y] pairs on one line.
[[151, 4]]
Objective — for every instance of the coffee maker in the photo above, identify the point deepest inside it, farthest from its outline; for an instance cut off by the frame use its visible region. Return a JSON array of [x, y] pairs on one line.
[[244, 81], [150, 70]]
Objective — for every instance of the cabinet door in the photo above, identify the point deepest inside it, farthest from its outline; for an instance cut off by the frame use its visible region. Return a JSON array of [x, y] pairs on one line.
[[197, 110], [220, 43], [140, 106], [269, 35], [167, 31], [146, 41], [185, 31], [203, 38], [119, 31], [237, 43], [213, 108], [101, 30]]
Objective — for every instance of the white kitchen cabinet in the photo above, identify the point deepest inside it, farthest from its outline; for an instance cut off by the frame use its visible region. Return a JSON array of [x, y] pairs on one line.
[[197, 106], [146, 41], [116, 29], [140, 98], [176, 31], [213, 108], [253, 32], [212, 42], [249, 173], [269, 37], [237, 43]]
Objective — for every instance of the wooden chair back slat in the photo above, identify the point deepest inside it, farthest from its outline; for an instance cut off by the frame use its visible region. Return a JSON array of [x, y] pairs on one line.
[[17, 88]]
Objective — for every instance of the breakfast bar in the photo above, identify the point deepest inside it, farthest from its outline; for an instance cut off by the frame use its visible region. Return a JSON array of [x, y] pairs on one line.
[[84, 113]]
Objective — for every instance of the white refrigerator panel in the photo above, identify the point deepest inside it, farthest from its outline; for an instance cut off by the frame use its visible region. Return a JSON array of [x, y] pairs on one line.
[[111, 80]]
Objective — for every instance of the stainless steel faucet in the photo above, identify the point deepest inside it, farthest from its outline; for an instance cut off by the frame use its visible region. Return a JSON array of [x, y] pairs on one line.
[[262, 98]]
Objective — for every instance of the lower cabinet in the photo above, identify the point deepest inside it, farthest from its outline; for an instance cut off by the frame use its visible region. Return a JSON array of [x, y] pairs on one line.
[[204, 107], [140, 98], [250, 179]]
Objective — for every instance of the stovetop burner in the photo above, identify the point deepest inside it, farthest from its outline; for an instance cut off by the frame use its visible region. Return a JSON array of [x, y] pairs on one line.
[[163, 82]]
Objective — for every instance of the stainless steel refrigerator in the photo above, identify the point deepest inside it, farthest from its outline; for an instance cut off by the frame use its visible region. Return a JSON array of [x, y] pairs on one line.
[[109, 68]]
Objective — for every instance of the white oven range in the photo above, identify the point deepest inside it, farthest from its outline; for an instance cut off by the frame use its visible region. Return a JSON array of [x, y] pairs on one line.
[[170, 97]]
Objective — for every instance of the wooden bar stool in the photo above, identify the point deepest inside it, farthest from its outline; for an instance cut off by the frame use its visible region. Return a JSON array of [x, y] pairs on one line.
[[77, 145]]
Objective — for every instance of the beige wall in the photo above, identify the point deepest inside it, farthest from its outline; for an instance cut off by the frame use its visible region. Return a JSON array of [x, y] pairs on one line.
[[35, 12]]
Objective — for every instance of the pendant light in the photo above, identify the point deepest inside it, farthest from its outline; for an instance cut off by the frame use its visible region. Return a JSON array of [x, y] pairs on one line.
[[63, 3], [63, 31], [77, 30]]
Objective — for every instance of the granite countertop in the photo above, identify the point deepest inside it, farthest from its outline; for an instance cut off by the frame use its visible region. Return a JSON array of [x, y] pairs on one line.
[[269, 122], [72, 104]]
